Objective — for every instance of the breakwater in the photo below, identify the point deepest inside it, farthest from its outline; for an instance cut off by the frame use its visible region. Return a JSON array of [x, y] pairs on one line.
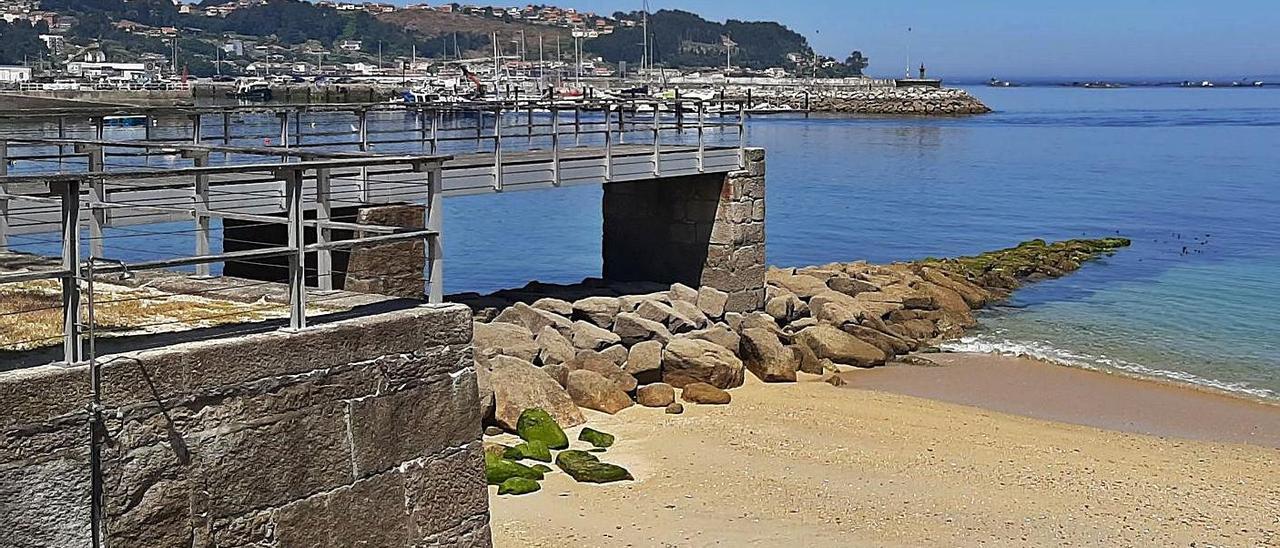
[[870, 100]]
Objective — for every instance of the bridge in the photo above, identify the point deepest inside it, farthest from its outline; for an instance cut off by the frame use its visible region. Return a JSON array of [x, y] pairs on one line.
[[318, 216]]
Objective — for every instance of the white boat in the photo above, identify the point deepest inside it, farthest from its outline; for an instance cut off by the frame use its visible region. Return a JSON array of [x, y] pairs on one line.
[[253, 89]]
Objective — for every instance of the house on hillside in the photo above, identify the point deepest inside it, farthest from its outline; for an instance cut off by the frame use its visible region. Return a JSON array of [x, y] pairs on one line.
[[350, 45]]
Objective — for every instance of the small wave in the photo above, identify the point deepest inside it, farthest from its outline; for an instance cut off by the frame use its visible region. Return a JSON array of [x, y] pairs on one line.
[[1044, 351]]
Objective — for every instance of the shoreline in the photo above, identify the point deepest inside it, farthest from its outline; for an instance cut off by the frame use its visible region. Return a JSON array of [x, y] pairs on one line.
[[852, 465], [1114, 401]]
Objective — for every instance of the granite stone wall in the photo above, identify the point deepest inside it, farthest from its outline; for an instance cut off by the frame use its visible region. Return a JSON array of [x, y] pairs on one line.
[[697, 230], [361, 432]]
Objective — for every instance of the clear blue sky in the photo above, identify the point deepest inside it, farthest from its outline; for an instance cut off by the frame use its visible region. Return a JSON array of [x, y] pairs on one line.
[[1022, 38]]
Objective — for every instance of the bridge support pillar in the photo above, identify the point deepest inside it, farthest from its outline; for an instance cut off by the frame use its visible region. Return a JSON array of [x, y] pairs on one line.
[[699, 230]]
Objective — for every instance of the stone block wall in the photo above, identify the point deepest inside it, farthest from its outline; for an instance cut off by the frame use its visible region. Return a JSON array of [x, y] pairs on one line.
[[361, 432], [697, 230]]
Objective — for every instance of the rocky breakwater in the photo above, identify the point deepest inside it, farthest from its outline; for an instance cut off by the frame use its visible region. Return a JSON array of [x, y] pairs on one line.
[[610, 346], [895, 100]]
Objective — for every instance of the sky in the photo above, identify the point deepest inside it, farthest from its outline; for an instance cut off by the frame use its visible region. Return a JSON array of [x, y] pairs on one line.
[[1183, 39]]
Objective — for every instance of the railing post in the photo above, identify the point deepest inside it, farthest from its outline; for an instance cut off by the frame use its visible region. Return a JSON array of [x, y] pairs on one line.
[[435, 243], [297, 126], [201, 159], [529, 123], [742, 136], [4, 202], [608, 149], [324, 235], [555, 146], [284, 128], [98, 218], [435, 131], [363, 130], [62, 134], [657, 129], [577, 124], [479, 130], [72, 351], [497, 150], [226, 127], [297, 242], [702, 143], [196, 131]]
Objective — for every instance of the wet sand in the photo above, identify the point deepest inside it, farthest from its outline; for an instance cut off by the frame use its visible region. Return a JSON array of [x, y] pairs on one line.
[[1037, 389], [809, 464]]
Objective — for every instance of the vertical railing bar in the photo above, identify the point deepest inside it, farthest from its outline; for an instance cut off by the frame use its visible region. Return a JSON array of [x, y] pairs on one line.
[[555, 145], [577, 124], [98, 218], [363, 129], [435, 131], [657, 128], [297, 242], [284, 128], [324, 235], [608, 147], [4, 202], [702, 143], [201, 159], [72, 352], [497, 150], [742, 136], [435, 244]]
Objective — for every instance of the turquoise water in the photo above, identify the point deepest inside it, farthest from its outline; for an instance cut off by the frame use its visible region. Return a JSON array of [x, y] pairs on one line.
[[1169, 168]]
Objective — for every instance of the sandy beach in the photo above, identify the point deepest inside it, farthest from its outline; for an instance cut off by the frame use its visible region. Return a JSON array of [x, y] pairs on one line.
[[1003, 452]]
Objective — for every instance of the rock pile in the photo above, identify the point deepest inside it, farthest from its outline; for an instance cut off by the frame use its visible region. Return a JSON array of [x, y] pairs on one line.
[[882, 100], [610, 351]]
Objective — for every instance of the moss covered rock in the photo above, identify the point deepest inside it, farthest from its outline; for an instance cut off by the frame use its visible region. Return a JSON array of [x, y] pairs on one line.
[[518, 486], [498, 470], [585, 467], [537, 425], [1007, 269], [533, 450], [541, 468], [595, 437]]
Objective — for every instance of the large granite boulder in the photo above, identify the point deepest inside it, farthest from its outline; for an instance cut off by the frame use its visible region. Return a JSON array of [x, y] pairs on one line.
[[588, 336], [533, 319], [553, 348], [658, 394], [712, 301], [803, 285], [554, 306], [518, 385], [644, 362], [720, 334], [597, 310], [634, 329], [840, 347], [508, 339], [682, 293], [701, 392], [766, 357], [592, 391], [686, 361], [605, 367]]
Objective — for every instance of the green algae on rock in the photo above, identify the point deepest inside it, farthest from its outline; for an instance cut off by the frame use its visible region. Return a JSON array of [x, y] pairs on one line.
[[542, 468], [498, 470], [1007, 269], [532, 450], [518, 486], [585, 467], [596, 438], [536, 424]]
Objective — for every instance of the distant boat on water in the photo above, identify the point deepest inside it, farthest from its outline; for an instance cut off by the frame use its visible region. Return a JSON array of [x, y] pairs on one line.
[[997, 83]]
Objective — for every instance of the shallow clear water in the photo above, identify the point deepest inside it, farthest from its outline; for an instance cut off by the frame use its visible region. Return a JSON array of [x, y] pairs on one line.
[[1190, 175]]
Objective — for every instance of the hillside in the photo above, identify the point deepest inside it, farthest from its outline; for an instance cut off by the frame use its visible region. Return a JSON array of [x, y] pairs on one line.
[[684, 39], [473, 33]]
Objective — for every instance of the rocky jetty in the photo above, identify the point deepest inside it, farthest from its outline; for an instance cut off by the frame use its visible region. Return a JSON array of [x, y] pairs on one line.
[[606, 346], [911, 101]]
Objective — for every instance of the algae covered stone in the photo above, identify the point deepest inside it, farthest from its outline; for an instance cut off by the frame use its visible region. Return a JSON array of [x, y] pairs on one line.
[[498, 470], [541, 468], [536, 424], [533, 450], [595, 437], [518, 486], [585, 467]]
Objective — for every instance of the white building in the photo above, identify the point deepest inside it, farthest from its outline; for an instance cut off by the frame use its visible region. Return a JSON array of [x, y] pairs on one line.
[[14, 74], [114, 71], [350, 45]]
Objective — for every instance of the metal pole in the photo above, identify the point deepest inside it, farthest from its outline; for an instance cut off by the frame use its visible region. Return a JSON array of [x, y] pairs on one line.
[[497, 150], [297, 260], [196, 132], [608, 149], [742, 136], [555, 146], [577, 124], [363, 130], [435, 131], [72, 352], [435, 244], [284, 128], [96, 186], [226, 128], [62, 134], [702, 143], [201, 211], [324, 235], [96, 432], [4, 202], [657, 129]]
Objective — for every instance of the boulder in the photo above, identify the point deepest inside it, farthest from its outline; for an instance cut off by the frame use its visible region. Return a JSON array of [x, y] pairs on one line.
[[533, 319], [507, 339], [766, 357], [786, 308], [682, 293], [836, 380], [687, 311], [518, 385], [711, 301], [887, 343], [593, 361], [804, 286], [588, 336], [674, 409], [585, 467], [532, 450], [553, 348], [654, 310], [597, 310], [800, 324], [616, 354], [806, 360], [974, 296], [644, 362], [840, 347], [701, 392], [537, 425], [593, 391], [686, 361], [558, 372], [719, 334], [955, 310], [656, 395], [596, 438], [484, 384], [518, 486], [631, 303], [851, 286], [498, 470], [554, 306], [633, 329]]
